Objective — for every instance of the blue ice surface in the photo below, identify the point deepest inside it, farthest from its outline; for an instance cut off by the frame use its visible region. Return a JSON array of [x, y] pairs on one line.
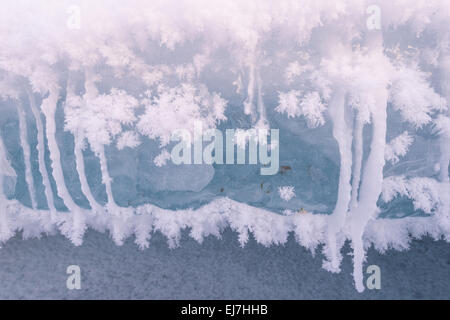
[[136, 179], [216, 269], [310, 154]]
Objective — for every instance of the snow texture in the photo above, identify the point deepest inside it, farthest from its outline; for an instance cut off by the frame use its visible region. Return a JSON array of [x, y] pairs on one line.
[[92, 96], [216, 269]]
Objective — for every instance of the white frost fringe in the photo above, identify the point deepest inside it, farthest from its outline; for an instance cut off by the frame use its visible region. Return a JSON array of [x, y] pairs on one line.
[[268, 228]]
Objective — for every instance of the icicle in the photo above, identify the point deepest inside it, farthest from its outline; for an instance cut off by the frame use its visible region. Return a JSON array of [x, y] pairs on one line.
[[85, 188], [371, 186], [262, 122], [79, 140], [41, 156], [343, 135], [5, 166], [372, 177], [75, 227], [26, 154], [106, 179], [49, 109], [120, 216], [249, 104], [358, 147], [118, 220]]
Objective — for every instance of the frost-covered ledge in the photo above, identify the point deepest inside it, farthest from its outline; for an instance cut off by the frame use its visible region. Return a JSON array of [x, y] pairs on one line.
[[268, 228]]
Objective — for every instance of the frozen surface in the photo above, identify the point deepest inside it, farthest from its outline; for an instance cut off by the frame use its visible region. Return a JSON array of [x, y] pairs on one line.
[[216, 269], [92, 95]]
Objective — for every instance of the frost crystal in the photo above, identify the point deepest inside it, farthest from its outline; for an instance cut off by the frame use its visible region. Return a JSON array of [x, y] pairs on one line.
[[286, 193], [89, 108]]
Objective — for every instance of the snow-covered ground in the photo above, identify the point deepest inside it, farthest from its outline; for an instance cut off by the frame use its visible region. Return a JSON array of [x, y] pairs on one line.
[[216, 269]]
